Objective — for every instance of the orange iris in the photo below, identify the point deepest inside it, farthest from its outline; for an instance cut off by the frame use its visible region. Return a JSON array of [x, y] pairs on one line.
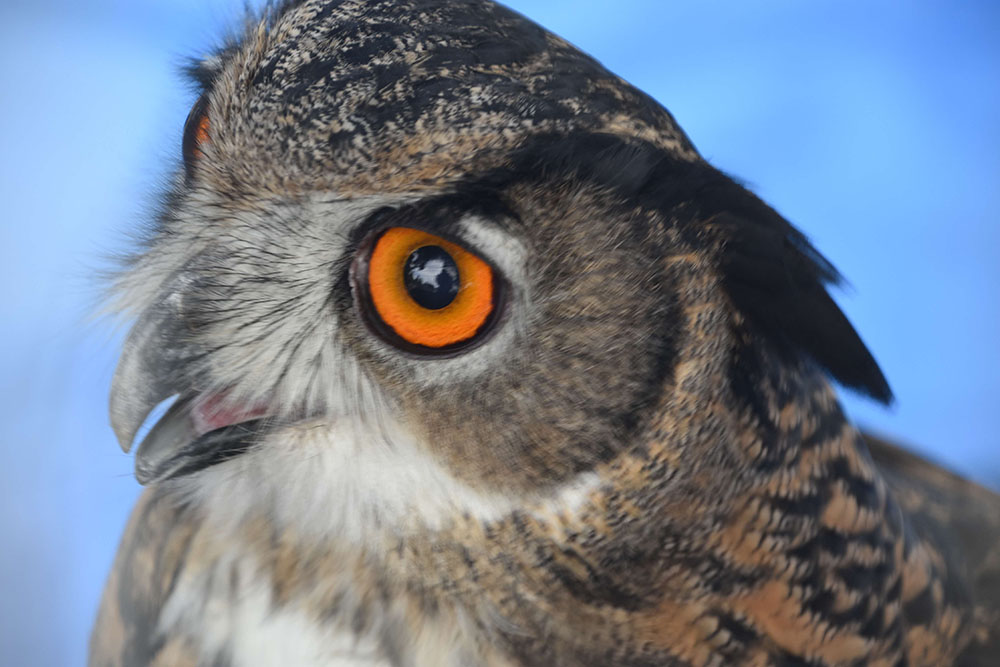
[[458, 321]]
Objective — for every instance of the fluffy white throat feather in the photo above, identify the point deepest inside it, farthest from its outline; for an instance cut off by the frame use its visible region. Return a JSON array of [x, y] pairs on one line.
[[355, 484]]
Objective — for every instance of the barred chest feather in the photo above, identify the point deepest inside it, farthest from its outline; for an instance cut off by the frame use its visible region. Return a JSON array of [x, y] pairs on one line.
[[231, 617], [232, 614]]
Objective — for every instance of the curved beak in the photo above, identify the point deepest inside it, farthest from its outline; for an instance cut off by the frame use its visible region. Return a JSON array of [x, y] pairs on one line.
[[175, 447], [149, 370], [152, 367]]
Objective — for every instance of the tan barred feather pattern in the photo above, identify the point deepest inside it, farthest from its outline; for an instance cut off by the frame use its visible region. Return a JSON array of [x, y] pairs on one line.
[[639, 461]]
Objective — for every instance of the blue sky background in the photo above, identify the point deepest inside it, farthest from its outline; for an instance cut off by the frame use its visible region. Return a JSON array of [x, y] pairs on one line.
[[873, 125]]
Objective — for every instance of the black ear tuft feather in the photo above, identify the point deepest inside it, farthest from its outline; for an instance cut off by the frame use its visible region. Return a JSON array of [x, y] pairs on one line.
[[778, 280], [774, 276]]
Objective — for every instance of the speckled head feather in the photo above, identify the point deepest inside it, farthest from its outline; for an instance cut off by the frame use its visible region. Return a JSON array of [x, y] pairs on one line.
[[636, 459], [426, 92], [431, 96]]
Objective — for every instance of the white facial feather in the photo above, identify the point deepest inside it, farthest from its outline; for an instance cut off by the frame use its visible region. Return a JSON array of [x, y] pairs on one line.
[[350, 481]]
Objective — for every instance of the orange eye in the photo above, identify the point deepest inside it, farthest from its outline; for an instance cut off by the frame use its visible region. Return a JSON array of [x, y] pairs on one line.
[[429, 291]]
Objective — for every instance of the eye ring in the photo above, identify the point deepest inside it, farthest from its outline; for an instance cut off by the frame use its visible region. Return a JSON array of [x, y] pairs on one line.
[[390, 273]]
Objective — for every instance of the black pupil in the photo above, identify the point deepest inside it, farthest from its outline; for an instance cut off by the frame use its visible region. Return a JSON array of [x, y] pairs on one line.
[[431, 277]]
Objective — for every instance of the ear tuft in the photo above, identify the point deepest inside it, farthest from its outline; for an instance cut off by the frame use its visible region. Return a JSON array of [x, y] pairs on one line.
[[773, 275], [778, 280]]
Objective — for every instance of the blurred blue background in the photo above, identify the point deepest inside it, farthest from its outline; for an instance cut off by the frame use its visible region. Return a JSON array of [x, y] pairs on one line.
[[873, 125]]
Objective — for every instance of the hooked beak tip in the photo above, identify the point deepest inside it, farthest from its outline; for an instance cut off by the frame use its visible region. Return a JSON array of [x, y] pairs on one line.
[[125, 421]]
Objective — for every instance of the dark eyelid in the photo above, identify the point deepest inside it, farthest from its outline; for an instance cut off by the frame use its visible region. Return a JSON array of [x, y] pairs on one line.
[[441, 215]]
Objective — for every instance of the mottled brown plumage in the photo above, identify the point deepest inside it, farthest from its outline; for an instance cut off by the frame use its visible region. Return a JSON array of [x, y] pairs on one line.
[[641, 463]]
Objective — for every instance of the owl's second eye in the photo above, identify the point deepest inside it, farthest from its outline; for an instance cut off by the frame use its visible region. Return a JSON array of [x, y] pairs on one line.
[[195, 134], [428, 291]]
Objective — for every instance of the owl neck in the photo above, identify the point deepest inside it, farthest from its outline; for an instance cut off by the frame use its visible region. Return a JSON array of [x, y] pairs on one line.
[[756, 509]]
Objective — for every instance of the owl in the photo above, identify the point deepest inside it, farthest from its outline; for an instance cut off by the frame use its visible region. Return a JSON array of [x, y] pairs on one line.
[[476, 362]]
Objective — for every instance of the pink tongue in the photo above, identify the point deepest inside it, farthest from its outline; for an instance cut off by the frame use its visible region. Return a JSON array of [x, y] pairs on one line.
[[216, 412]]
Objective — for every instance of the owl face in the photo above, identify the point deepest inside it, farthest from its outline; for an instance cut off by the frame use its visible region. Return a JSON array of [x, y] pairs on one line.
[[291, 330], [387, 290]]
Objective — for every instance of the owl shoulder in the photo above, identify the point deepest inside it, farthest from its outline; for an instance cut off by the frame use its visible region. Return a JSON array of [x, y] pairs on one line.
[[953, 564], [153, 553]]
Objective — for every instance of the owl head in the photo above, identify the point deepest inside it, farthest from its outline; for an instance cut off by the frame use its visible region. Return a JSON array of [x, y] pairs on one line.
[[424, 259]]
